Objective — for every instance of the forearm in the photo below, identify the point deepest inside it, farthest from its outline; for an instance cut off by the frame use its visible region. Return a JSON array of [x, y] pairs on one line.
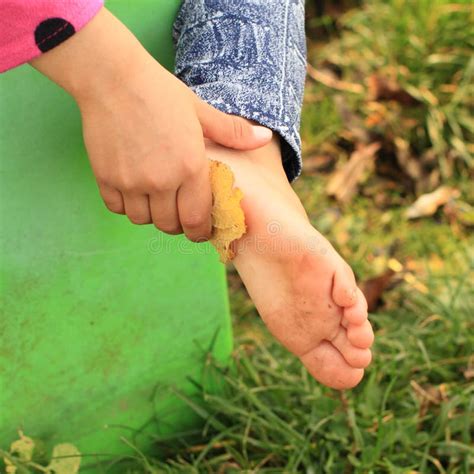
[[101, 57], [31, 27], [248, 58]]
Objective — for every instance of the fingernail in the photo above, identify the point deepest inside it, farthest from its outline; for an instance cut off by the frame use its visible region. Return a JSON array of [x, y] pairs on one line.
[[262, 133]]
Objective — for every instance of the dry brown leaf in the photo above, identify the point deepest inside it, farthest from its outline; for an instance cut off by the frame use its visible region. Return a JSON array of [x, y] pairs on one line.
[[228, 219], [355, 128], [332, 81], [428, 204], [343, 184], [428, 396], [469, 372], [411, 166], [459, 211], [374, 288], [385, 88], [318, 163]]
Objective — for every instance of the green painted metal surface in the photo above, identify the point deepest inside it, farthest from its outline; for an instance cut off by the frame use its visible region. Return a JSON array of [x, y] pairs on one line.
[[97, 315]]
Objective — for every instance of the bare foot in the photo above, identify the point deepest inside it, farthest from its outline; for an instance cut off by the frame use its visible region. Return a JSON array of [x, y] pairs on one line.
[[304, 291]]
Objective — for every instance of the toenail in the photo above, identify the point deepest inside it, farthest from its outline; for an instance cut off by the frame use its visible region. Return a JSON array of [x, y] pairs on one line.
[[352, 293]]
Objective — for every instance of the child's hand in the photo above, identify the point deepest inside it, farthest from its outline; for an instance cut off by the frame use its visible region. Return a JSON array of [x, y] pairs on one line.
[[145, 144], [143, 128]]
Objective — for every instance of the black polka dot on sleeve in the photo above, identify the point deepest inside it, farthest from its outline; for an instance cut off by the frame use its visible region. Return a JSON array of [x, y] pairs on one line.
[[51, 32]]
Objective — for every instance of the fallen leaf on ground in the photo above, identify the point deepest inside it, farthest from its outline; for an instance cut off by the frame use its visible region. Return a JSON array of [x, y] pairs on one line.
[[332, 81], [228, 219], [428, 204], [459, 211], [344, 182], [66, 459], [355, 128], [469, 372], [22, 449], [385, 88], [374, 288], [408, 163], [318, 163], [428, 395], [415, 283]]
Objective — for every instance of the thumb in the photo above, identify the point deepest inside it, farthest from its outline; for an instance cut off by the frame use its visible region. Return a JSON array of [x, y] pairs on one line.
[[231, 131]]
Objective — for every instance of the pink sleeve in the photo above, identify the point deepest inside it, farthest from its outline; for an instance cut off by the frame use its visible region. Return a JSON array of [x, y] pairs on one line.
[[31, 27]]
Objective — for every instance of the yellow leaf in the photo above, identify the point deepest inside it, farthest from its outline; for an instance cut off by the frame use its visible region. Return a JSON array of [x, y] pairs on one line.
[[228, 219], [22, 449], [428, 204], [66, 459]]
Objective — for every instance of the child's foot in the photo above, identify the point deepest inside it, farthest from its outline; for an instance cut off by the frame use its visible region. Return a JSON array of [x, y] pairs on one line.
[[304, 291]]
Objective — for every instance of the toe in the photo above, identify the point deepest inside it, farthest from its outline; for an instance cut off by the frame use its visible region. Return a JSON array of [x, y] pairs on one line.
[[354, 356], [344, 291], [326, 364], [357, 313], [361, 335]]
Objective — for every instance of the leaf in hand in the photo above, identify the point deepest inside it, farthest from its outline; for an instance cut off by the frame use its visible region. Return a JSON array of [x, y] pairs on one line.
[[228, 220]]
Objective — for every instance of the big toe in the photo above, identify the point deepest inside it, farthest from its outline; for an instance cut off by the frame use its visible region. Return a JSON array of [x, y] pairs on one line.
[[344, 290], [327, 365]]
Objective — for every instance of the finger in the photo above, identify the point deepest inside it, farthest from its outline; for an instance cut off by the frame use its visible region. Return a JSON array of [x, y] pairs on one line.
[[194, 206], [112, 198], [164, 212], [137, 208], [230, 130]]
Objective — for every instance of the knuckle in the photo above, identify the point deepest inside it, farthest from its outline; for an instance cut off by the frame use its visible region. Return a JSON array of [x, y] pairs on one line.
[[128, 182], [238, 128], [191, 167], [162, 184], [194, 221], [128, 185], [103, 179]]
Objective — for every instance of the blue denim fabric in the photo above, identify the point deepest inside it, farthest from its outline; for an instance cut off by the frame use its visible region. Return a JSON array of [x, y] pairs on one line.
[[248, 58]]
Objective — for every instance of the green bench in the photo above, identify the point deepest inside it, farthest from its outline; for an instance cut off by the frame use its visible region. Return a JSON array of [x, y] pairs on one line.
[[98, 316]]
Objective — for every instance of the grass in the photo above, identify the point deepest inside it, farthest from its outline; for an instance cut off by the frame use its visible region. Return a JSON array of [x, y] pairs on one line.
[[414, 411], [425, 47]]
